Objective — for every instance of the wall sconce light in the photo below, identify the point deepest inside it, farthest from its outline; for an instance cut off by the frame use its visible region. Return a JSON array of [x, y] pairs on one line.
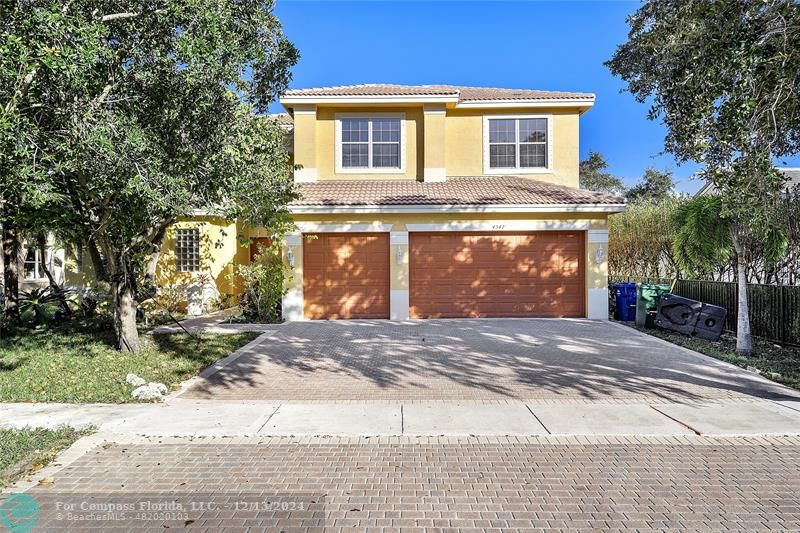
[[599, 255], [399, 256], [290, 257]]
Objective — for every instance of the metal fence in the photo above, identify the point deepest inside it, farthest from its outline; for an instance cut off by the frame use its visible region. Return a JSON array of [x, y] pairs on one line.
[[774, 309]]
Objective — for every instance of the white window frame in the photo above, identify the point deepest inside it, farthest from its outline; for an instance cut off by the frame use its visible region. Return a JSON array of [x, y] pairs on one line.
[[369, 170], [38, 264], [487, 169]]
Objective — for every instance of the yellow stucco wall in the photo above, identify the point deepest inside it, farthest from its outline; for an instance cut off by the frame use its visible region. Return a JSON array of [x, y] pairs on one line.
[[324, 132], [220, 251], [464, 134], [305, 144], [454, 142], [435, 138]]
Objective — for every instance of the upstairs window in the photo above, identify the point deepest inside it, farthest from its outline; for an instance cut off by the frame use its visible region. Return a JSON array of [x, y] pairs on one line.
[[187, 250], [517, 143], [370, 143]]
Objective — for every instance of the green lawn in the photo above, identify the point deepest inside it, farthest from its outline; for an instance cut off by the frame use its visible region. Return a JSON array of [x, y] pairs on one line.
[[778, 363], [24, 450], [78, 363]]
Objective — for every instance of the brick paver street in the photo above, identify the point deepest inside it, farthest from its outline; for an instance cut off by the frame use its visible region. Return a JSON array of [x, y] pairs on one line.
[[498, 484], [475, 360]]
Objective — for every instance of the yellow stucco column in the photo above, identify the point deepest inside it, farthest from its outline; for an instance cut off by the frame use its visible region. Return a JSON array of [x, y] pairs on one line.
[[597, 274], [292, 303], [398, 272], [305, 143], [434, 142]]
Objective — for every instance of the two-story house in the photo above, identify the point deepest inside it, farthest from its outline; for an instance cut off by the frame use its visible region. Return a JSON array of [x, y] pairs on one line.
[[422, 201], [443, 201]]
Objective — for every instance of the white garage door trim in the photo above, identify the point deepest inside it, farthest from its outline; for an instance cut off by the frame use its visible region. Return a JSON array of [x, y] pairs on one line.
[[503, 225], [312, 227]]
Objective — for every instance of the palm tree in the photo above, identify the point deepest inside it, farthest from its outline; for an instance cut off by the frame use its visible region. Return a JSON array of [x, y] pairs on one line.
[[706, 240]]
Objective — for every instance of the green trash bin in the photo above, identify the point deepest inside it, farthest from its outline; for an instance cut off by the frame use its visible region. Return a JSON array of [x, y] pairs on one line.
[[647, 295]]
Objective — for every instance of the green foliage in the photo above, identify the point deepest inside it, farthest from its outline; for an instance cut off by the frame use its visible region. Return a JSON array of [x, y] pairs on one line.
[[594, 177], [706, 240], [42, 50], [76, 362], [117, 120], [703, 242], [655, 185], [722, 76], [264, 285], [42, 305], [640, 239]]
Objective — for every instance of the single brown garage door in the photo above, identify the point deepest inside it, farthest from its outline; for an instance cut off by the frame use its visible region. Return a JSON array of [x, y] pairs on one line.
[[497, 275], [346, 275]]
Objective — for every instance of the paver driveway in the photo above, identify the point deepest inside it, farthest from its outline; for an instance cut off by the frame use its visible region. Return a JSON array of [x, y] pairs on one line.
[[490, 360]]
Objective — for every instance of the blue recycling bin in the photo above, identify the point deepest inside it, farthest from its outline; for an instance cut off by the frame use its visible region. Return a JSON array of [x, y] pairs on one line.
[[625, 298]]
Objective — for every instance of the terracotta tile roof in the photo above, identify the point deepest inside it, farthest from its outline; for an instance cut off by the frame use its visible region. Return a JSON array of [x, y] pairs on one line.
[[478, 190], [464, 94]]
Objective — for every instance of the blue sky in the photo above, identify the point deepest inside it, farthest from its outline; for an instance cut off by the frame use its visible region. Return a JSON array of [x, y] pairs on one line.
[[521, 45]]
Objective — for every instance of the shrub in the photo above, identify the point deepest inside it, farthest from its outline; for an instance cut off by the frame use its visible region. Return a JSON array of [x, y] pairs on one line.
[[44, 305], [640, 239], [264, 285]]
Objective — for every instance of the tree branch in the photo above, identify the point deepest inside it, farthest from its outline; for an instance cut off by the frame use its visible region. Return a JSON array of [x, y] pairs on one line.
[[129, 15]]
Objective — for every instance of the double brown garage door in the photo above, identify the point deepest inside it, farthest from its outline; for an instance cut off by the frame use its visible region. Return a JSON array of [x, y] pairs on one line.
[[451, 274]]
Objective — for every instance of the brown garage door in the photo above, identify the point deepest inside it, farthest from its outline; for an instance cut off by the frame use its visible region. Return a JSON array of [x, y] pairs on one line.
[[346, 275], [497, 275]]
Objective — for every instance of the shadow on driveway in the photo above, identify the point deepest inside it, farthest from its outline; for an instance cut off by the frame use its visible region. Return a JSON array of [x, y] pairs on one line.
[[476, 359]]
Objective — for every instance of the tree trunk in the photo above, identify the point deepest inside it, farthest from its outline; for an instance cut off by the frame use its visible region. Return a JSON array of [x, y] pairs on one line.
[[11, 250], [100, 272], [152, 261], [744, 339], [123, 288]]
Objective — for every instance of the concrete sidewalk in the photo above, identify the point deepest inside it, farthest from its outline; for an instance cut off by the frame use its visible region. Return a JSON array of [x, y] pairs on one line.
[[199, 418]]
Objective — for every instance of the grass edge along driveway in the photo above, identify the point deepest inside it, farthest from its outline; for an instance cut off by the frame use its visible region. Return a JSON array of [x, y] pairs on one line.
[[75, 365], [30, 449], [773, 361]]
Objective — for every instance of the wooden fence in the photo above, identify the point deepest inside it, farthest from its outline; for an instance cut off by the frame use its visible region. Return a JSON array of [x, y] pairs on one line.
[[774, 309]]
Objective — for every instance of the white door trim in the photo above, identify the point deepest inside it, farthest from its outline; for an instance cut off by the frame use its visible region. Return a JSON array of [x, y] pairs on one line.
[[503, 225], [313, 227], [597, 236]]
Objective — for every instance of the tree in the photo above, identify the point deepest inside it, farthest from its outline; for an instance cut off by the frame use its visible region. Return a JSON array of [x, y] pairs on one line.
[[163, 124], [705, 241], [594, 177], [723, 78], [656, 185], [40, 49]]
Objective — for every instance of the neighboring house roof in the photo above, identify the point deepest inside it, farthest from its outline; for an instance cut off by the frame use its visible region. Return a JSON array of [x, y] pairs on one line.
[[284, 120], [792, 175], [472, 192], [461, 96]]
